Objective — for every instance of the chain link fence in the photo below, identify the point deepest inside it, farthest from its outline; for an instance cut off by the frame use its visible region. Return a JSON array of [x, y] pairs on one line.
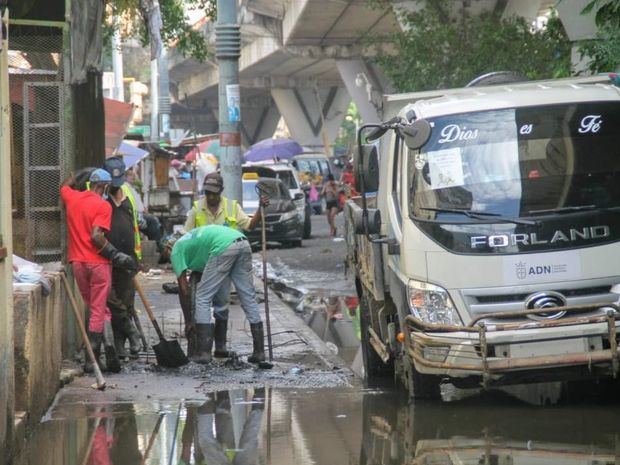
[[41, 128]]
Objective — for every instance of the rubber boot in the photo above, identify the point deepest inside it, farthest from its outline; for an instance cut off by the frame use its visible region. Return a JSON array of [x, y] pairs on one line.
[[258, 340], [119, 345], [95, 341], [112, 362], [135, 343], [221, 327], [204, 343]]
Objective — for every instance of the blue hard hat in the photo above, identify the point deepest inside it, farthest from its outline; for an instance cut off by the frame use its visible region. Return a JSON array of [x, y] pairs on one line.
[[100, 175]]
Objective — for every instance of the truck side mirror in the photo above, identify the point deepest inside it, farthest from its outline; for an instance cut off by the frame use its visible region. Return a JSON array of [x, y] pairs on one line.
[[367, 173], [416, 134]]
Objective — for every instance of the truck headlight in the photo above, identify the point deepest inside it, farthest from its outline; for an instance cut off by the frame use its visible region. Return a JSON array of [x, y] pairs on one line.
[[288, 216], [431, 304]]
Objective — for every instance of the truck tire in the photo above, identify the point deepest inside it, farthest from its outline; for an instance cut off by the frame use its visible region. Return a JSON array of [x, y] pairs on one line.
[[374, 367], [422, 386]]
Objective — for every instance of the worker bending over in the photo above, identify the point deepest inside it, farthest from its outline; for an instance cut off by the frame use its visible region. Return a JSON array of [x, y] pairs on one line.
[[223, 254]]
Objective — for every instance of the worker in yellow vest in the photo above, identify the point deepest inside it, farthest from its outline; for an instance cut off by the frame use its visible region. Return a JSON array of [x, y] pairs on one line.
[[125, 236], [216, 209]]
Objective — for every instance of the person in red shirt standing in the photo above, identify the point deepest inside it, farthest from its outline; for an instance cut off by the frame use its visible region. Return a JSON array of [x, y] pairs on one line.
[[91, 255]]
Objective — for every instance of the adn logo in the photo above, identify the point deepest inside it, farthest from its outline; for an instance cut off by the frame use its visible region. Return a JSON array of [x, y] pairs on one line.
[[523, 271]]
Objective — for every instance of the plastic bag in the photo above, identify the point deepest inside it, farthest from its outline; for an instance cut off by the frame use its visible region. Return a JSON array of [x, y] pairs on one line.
[[314, 194]]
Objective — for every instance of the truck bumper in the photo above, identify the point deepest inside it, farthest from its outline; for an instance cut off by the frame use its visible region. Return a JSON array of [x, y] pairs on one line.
[[504, 353]]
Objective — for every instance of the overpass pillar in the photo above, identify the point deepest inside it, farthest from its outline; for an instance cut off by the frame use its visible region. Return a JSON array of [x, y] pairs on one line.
[[260, 118], [302, 108], [366, 86]]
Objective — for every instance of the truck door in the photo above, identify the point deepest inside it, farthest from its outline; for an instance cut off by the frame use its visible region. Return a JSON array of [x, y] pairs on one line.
[[393, 205]]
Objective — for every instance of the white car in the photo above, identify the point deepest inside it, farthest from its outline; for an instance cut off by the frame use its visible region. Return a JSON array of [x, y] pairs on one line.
[[289, 176]]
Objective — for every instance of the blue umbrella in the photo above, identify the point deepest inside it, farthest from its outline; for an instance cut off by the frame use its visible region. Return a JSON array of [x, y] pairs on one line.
[[273, 149]]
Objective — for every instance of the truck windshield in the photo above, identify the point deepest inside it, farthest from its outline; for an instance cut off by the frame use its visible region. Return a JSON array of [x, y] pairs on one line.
[[519, 162]]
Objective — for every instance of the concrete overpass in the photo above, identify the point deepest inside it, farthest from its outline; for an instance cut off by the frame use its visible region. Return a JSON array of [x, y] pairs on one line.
[[304, 58]]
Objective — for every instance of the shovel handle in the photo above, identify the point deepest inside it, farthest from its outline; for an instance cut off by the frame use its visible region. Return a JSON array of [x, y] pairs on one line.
[[147, 307], [89, 349]]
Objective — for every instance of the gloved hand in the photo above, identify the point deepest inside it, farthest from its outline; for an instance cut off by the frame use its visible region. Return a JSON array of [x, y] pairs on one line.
[[127, 262], [263, 201], [118, 259]]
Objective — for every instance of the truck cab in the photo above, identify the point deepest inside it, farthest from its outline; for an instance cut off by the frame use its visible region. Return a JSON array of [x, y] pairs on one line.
[[488, 255]]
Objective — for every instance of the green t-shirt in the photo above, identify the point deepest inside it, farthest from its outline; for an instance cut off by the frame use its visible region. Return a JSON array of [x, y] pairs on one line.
[[193, 250]]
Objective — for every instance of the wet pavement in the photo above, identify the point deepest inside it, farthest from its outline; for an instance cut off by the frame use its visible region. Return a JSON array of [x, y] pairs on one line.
[[325, 427]]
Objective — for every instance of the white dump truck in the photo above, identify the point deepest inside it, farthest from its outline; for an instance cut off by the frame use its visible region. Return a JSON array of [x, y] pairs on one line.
[[485, 244]]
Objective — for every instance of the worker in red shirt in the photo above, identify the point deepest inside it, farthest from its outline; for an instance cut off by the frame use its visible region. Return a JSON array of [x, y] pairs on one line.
[[91, 255]]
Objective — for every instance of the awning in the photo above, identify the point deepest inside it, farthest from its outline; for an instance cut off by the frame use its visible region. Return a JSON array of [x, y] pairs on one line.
[[117, 118]]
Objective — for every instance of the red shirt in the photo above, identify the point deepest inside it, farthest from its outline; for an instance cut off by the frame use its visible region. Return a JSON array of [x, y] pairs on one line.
[[85, 210]]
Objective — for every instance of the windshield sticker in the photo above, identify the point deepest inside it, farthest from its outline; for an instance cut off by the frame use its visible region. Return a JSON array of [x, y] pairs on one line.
[[446, 168], [590, 124]]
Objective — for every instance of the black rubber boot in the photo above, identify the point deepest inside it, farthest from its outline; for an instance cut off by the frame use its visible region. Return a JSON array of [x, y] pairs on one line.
[[135, 343], [112, 362], [258, 340], [221, 327], [95, 341], [204, 343], [119, 345]]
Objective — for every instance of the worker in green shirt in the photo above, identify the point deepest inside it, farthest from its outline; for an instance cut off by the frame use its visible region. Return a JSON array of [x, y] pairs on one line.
[[222, 254]]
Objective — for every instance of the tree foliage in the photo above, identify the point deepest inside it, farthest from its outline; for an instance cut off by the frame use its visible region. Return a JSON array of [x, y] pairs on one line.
[[176, 29], [436, 50], [603, 51]]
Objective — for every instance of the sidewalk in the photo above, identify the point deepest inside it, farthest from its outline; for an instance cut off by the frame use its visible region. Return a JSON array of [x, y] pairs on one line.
[[301, 359]]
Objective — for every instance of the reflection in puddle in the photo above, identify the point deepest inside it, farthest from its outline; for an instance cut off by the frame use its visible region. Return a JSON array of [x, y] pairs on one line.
[[324, 427]]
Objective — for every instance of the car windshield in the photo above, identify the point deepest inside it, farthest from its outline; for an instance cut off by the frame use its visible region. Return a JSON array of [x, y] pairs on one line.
[[288, 179], [518, 162]]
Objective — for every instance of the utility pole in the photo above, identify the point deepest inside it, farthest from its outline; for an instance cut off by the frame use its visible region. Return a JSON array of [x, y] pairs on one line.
[[164, 97], [227, 52], [118, 93]]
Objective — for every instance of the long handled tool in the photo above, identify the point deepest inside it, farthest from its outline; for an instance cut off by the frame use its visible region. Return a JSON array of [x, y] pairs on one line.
[[263, 190], [89, 350], [169, 353], [136, 320]]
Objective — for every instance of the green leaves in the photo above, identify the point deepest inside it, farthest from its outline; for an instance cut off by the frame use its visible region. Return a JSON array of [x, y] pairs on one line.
[[176, 30], [603, 52], [435, 51]]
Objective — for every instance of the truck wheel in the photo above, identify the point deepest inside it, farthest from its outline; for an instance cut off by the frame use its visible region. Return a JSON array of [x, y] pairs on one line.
[[373, 365], [422, 386]]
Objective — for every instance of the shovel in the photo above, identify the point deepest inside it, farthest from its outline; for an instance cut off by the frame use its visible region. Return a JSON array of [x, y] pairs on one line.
[[262, 189], [169, 353], [89, 350]]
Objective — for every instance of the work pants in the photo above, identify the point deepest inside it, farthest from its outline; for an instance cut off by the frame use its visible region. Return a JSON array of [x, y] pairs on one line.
[[234, 264], [94, 281], [121, 301]]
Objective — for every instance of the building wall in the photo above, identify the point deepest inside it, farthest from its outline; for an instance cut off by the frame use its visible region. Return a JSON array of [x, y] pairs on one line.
[[6, 271]]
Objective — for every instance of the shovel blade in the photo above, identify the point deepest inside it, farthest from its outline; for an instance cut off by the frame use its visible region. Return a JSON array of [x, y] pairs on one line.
[[169, 354]]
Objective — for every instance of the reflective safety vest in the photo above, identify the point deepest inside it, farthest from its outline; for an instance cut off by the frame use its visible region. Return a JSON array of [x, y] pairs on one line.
[[230, 214], [136, 230]]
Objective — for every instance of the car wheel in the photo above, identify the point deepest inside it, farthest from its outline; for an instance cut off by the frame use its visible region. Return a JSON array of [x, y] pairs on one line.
[[307, 224]]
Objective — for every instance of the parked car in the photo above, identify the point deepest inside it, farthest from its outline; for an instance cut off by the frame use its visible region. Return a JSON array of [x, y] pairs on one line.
[[313, 169], [283, 223], [289, 176]]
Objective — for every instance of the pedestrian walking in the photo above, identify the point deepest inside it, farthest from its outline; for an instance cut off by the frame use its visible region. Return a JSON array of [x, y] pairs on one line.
[[222, 254], [330, 192], [215, 209], [124, 234], [91, 255]]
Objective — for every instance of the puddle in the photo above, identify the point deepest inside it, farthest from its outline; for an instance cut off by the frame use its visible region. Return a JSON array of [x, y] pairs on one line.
[[324, 427]]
